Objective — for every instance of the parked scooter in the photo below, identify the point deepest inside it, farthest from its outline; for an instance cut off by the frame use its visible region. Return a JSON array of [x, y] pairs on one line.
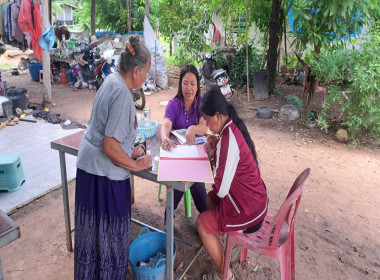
[[88, 69], [216, 77], [109, 66]]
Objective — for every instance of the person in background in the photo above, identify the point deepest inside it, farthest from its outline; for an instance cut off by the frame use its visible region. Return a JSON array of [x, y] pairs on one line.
[[238, 200], [182, 112], [105, 158]]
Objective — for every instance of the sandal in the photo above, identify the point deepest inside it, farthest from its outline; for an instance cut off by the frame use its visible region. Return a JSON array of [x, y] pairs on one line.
[[10, 123], [214, 276]]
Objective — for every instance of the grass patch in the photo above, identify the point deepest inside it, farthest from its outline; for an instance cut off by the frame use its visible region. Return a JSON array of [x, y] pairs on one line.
[[7, 65]]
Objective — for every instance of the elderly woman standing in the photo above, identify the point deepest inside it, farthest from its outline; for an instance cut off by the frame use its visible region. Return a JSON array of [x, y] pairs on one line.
[[106, 157], [181, 112]]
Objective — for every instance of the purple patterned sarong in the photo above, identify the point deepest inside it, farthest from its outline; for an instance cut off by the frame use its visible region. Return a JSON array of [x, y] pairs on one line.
[[102, 227]]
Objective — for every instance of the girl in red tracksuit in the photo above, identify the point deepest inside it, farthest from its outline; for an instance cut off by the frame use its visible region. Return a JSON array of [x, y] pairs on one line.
[[238, 201]]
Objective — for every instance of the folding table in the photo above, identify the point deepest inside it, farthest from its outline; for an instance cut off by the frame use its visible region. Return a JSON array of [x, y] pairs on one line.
[[70, 145]]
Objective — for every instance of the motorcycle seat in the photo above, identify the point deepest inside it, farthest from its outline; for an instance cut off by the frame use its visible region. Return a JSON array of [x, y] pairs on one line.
[[97, 62], [218, 72]]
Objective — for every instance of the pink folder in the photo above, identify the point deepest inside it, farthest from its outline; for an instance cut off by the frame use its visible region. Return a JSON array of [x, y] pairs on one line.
[[189, 169]]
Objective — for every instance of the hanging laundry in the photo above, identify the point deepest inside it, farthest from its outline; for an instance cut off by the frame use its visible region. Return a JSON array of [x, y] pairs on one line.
[[16, 30], [1, 24], [30, 22], [4, 8], [9, 21]]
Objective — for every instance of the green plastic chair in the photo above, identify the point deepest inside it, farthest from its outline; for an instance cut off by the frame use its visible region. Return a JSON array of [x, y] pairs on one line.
[[187, 201]]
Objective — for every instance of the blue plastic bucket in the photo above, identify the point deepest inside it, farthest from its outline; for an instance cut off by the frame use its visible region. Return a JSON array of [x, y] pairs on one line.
[[34, 70], [144, 247]]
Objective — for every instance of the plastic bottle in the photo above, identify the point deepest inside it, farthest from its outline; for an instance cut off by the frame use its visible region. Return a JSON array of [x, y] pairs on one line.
[[151, 264], [62, 76]]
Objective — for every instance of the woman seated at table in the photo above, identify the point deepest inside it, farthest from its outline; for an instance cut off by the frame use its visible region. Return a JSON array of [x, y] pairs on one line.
[[238, 200], [182, 112]]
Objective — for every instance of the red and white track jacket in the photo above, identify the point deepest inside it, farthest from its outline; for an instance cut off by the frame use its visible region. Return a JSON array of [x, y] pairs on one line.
[[242, 192]]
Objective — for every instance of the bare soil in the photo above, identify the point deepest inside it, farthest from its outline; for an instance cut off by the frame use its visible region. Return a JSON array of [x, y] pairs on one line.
[[337, 228]]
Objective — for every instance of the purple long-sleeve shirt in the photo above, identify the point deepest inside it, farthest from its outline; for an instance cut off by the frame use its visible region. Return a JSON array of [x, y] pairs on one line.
[[178, 115]]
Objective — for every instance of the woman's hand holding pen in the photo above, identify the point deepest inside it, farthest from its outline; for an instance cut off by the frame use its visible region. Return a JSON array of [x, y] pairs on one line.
[[167, 144]]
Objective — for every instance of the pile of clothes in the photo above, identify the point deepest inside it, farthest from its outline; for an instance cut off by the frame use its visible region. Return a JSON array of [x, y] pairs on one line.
[[21, 25]]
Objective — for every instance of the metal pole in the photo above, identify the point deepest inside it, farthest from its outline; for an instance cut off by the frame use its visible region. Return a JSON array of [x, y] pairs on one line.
[[46, 55], [66, 206], [169, 232]]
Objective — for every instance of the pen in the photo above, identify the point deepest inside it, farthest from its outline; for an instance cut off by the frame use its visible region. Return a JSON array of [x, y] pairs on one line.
[[171, 142]]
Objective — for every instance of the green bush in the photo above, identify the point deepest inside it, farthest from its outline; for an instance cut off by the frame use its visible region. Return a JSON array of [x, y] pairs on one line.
[[182, 58], [294, 100], [355, 86], [238, 73]]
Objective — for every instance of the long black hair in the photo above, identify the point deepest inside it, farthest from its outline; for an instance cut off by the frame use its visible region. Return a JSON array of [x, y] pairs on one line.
[[186, 69], [213, 102]]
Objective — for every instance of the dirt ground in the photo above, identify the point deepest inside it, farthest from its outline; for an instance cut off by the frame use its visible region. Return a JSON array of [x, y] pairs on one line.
[[337, 228]]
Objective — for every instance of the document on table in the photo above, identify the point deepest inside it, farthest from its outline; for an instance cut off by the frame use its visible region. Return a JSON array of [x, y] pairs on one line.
[[180, 134], [184, 151], [185, 163]]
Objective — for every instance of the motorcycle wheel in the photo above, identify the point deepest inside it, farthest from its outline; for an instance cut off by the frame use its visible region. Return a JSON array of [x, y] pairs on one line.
[[99, 81], [139, 98]]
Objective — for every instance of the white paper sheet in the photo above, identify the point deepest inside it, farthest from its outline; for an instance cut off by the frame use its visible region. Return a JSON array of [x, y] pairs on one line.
[[184, 151]]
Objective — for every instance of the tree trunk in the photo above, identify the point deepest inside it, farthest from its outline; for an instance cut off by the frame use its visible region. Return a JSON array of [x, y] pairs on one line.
[[275, 30], [128, 4], [50, 12], [93, 16], [147, 9], [171, 45], [246, 45]]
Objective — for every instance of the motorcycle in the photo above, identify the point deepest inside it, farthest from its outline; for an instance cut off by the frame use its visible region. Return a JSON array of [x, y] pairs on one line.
[[216, 77], [109, 66], [88, 69]]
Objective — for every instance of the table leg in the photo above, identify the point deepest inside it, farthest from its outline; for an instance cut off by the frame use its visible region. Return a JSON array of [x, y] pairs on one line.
[[169, 232], [66, 206], [1, 272]]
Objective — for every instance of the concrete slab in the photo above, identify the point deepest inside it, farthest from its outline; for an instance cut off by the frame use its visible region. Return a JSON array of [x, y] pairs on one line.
[[39, 162]]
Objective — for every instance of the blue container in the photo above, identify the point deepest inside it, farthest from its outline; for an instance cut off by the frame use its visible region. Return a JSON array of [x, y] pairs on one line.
[[11, 173], [144, 247], [34, 70], [148, 128]]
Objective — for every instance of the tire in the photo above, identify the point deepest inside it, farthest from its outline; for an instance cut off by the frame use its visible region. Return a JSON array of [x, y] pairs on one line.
[[99, 81], [139, 98]]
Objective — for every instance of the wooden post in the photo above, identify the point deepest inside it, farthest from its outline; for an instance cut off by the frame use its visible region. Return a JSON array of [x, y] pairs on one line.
[[128, 4], [246, 43], [147, 9], [93, 16], [46, 56]]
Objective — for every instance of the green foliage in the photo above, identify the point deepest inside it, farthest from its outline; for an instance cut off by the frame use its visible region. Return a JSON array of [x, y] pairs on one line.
[[182, 57], [238, 73], [356, 90], [278, 92], [188, 20], [336, 65], [294, 100], [112, 15], [320, 23], [291, 61]]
